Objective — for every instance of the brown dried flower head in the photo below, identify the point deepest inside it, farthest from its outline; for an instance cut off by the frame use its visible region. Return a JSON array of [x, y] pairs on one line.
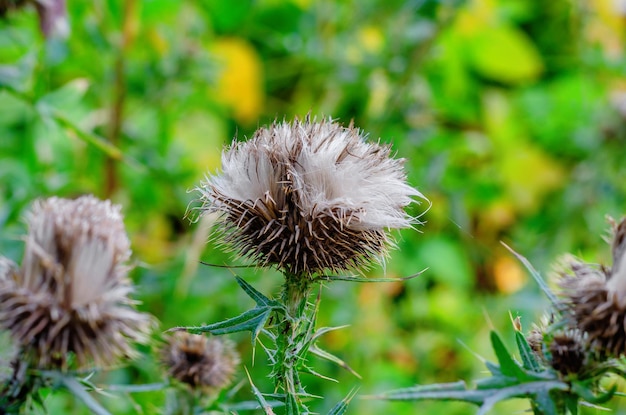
[[203, 363], [596, 298], [71, 293], [309, 196], [568, 352]]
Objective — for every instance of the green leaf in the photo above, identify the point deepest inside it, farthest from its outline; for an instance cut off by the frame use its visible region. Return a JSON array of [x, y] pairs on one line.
[[252, 320], [259, 298], [79, 391], [356, 278], [292, 405], [535, 274], [545, 403], [454, 391], [267, 408], [18, 76], [66, 98], [505, 54], [508, 366], [585, 392], [315, 350], [530, 389], [342, 406], [528, 356]]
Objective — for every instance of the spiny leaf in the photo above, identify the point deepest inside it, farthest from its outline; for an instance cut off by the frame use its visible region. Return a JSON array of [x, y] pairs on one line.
[[342, 406], [356, 278], [439, 391], [544, 402], [259, 299], [508, 366], [267, 408], [78, 390], [314, 349], [528, 356], [310, 371], [252, 320], [588, 395], [535, 274], [292, 405], [528, 389]]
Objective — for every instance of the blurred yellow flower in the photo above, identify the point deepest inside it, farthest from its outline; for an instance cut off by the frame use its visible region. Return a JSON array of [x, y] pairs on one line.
[[239, 84]]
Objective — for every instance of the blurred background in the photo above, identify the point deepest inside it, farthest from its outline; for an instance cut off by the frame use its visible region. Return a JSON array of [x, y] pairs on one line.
[[510, 113]]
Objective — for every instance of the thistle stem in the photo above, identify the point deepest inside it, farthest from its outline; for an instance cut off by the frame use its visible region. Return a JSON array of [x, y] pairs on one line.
[[293, 340]]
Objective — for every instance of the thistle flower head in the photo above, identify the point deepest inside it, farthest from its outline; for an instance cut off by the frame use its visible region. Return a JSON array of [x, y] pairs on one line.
[[309, 196], [203, 363], [595, 298], [568, 352], [70, 294]]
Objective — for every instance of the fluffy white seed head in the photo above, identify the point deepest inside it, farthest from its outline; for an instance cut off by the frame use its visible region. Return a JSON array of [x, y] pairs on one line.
[[70, 295], [310, 196]]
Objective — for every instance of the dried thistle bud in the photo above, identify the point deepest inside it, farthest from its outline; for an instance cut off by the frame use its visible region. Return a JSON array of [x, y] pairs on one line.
[[568, 352], [309, 196], [535, 341], [203, 363], [594, 298], [70, 295]]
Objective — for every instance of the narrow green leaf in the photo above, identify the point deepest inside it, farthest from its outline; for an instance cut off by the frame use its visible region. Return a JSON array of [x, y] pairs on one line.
[[342, 406], [310, 371], [571, 403], [146, 387], [508, 366], [248, 406], [356, 278], [259, 298], [535, 274], [252, 320], [455, 391], [588, 395], [77, 390], [528, 356], [545, 403], [496, 382], [292, 405], [321, 331], [529, 389], [493, 368], [315, 350], [267, 408]]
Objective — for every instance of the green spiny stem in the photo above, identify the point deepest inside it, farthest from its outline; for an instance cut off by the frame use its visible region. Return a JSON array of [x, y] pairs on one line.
[[292, 332]]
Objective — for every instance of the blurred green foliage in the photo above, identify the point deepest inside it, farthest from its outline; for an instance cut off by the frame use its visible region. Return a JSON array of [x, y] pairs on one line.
[[510, 114]]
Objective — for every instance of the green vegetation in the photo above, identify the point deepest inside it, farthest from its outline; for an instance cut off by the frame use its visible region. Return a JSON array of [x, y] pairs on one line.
[[510, 114]]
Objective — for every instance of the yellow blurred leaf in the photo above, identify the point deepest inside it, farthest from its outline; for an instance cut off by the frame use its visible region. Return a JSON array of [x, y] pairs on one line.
[[201, 136], [371, 39], [528, 174], [505, 54], [151, 243], [605, 25], [508, 275], [240, 81]]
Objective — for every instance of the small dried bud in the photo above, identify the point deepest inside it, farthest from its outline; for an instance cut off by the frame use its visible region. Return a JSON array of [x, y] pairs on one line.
[[309, 196], [567, 352], [204, 363], [535, 341], [70, 295]]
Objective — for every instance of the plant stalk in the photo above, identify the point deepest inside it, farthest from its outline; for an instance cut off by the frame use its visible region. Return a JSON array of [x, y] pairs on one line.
[[293, 340]]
